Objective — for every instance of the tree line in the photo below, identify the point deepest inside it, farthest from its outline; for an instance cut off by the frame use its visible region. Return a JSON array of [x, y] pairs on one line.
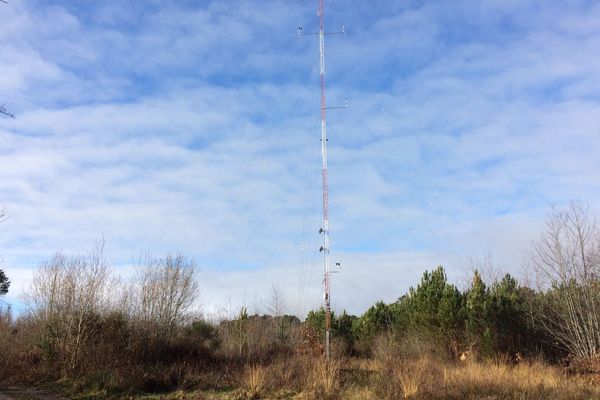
[[85, 323], [557, 315]]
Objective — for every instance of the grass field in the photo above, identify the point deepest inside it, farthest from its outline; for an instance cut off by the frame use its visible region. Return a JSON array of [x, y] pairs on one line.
[[348, 378]]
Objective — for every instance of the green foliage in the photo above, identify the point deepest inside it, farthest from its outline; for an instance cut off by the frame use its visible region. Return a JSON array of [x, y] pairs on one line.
[[434, 309], [487, 320], [4, 283], [426, 298], [342, 331], [316, 319], [402, 316], [451, 317], [283, 325], [476, 310], [204, 333], [507, 314], [379, 318], [342, 326], [435, 306]]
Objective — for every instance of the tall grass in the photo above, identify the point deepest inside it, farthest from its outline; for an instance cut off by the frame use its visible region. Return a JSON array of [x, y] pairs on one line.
[[254, 380], [412, 376], [424, 378], [326, 378]]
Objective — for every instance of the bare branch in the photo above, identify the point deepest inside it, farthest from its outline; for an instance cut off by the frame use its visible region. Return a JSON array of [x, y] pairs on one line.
[[277, 305], [2, 108], [164, 291], [566, 260]]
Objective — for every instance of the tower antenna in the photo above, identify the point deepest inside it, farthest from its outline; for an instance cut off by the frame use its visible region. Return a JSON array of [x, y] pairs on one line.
[[325, 249]]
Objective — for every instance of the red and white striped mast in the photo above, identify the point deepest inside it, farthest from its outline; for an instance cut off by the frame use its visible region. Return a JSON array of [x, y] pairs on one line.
[[325, 229], [327, 267]]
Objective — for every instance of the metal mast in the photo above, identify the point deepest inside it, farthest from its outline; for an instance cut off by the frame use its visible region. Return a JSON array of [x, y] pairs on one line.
[[325, 229], [326, 266]]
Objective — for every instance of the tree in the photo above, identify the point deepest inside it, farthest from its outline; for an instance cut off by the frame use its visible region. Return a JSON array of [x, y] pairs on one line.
[[277, 303], [476, 305], [506, 314], [315, 319], [4, 283], [281, 324], [566, 261], [342, 329], [425, 300], [68, 294], [240, 331], [435, 309], [377, 319], [165, 290], [451, 317], [343, 326]]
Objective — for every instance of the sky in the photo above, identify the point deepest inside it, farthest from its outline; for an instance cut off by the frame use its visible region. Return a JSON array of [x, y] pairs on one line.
[[193, 126]]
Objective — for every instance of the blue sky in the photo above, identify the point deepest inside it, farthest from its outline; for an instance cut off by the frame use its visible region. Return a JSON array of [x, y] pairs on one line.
[[194, 126]]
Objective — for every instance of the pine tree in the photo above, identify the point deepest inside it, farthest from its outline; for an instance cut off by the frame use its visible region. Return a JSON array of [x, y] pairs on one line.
[[477, 327], [4, 283]]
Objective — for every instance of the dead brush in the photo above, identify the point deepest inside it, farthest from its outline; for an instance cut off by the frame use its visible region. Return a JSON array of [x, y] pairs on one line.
[[532, 378], [287, 373], [413, 376], [254, 381], [587, 367], [324, 379]]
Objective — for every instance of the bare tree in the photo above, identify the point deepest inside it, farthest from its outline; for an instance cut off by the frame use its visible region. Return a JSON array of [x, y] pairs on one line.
[[281, 324], [490, 272], [277, 304], [164, 293], [566, 261], [66, 296]]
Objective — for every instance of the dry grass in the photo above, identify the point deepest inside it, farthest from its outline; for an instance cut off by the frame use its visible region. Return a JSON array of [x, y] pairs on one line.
[[521, 377], [254, 381], [417, 379], [360, 393], [412, 376], [490, 380], [431, 379], [534, 380], [323, 379]]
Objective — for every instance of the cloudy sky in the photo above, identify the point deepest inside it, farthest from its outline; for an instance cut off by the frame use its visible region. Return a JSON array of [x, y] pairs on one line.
[[193, 127]]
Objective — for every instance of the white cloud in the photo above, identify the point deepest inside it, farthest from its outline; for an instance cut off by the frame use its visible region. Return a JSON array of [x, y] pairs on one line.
[[167, 129]]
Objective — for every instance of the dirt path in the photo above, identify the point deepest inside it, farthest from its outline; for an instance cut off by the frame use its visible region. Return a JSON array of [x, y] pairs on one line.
[[12, 393]]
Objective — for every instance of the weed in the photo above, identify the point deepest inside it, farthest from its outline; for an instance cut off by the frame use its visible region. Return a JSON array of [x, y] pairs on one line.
[[254, 380]]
